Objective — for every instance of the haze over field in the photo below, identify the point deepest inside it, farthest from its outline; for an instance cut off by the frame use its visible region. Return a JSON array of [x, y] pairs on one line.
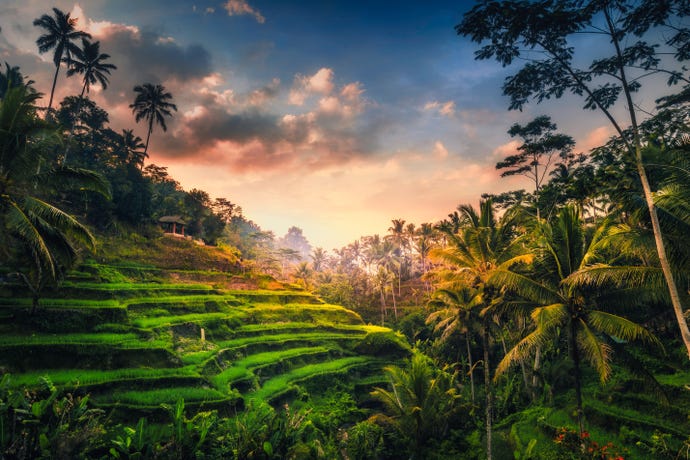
[[335, 117]]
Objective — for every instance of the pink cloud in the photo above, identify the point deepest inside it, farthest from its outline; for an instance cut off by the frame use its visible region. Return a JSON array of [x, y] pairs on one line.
[[446, 109], [241, 7]]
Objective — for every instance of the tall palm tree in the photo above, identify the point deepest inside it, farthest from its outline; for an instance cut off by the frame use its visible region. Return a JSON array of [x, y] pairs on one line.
[[90, 62], [152, 103], [30, 227], [60, 34], [482, 245], [399, 239], [564, 304]]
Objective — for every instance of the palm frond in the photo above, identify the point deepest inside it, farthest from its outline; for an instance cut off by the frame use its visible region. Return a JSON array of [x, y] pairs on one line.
[[600, 275], [523, 349], [525, 286], [597, 352], [619, 327]]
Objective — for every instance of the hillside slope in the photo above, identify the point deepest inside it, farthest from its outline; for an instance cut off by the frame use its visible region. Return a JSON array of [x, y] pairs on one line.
[[138, 328]]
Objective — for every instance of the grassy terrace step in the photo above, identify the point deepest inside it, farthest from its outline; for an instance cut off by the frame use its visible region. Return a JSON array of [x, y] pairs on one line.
[[614, 416], [269, 313], [156, 322], [201, 303], [279, 297], [125, 340], [249, 330], [92, 377], [245, 367], [20, 358], [97, 290], [279, 385], [256, 344], [152, 399]]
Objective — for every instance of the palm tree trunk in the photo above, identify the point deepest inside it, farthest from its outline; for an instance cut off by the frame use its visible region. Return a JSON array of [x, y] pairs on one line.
[[148, 136], [575, 356], [395, 306], [52, 90], [470, 364], [488, 389], [646, 188]]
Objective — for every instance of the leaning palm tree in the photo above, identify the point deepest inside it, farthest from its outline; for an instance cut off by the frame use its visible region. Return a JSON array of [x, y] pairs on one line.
[[482, 245], [90, 62], [564, 304], [60, 34], [32, 229], [152, 103]]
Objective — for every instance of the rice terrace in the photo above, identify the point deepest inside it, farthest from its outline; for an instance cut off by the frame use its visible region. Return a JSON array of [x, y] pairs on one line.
[[456, 230]]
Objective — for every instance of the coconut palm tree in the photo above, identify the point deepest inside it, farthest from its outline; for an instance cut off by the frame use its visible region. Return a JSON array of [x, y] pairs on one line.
[[482, 245], [30, 227], [457, 310], [564, 304], [152, 104], [90, 62], [420, 401], [60, 34]]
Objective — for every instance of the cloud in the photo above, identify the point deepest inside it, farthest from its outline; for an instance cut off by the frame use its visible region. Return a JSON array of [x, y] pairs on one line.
[[304, 86], [509, 148], [241, 7], [440, 150], [446, 109], [595, 138]]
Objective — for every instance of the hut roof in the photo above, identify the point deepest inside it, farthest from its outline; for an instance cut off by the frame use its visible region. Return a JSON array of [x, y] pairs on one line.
[[172, 219]]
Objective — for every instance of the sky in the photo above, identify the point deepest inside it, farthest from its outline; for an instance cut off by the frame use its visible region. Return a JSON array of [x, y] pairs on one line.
[[330, 115]]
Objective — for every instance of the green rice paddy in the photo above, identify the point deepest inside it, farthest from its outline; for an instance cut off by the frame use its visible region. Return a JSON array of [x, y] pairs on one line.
[[152, 351]]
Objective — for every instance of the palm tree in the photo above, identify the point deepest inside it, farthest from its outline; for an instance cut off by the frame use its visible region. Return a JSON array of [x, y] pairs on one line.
[[457, 310], [132, 148], [564, 304], [12, 78], [60, 35], [399, 239], [421, 400], [89, 62], [482, 245], [30, 227], [152, 104]]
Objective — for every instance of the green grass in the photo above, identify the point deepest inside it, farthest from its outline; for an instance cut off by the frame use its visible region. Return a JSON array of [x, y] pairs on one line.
[[154, 398], [61, 303], [79, 377], [114, 339], [283, 339], [282, 383], [242, 368], [147, 322]]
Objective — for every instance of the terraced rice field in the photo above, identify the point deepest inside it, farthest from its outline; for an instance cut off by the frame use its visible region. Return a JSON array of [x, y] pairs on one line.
[[134, 346]]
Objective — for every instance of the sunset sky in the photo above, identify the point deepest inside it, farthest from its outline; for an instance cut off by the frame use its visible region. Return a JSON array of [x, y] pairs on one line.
[[333, 116]]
